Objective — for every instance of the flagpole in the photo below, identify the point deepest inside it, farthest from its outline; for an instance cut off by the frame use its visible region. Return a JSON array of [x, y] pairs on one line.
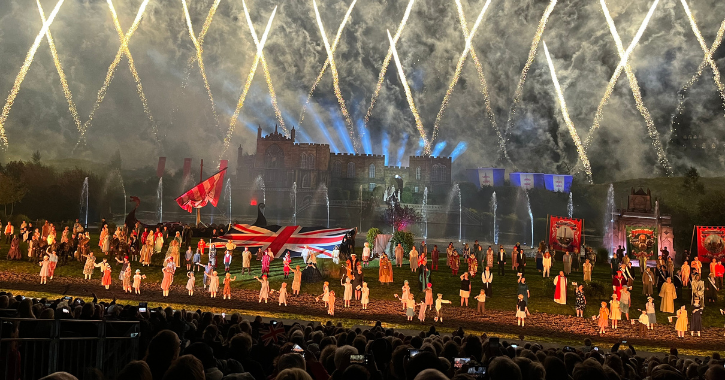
[[201, 179]]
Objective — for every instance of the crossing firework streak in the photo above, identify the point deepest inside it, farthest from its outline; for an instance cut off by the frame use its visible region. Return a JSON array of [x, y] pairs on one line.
[[200, 59], [23, 72], [200, 39]]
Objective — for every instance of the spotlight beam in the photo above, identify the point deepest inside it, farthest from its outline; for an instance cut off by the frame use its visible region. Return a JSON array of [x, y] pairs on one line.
[[409, 97], [459, 66], [569, 124], [247, 84], [111, 70], [386, 62], [199, 57], [327, 61], [23, 72], [336, 82], [59, 67], [615, 76], [522, 79], [637, 94], [265, 69]]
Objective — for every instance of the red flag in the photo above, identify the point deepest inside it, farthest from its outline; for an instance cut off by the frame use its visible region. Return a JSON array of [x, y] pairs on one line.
[[203, 193], [710, 243], [187, 167], [565, 233], [160, 168]]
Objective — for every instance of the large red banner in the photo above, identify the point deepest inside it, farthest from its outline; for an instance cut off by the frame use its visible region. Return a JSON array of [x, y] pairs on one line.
[[203, 193], [710, 243], [565, 234]]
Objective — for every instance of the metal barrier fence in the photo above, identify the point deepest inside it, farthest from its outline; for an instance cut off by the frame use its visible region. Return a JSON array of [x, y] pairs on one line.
[[33, 348]]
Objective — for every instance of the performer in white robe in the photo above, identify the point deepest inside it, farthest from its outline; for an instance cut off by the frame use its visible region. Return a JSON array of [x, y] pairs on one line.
[[560, 293]]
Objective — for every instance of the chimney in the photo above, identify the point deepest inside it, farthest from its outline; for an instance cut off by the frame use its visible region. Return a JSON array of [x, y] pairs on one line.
[[292, 134]]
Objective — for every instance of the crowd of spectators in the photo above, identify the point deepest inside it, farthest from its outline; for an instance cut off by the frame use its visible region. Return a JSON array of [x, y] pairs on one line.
[[180, 345]]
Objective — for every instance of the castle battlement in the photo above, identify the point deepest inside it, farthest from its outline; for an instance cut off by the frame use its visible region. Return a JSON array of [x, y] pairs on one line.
[[311, 144], [357, 155]]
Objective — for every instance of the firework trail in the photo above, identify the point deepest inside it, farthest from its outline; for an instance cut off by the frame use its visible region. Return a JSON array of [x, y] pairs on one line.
[[459, 66], [200, 60], [200, 39], [386, 62], [111, 70], [637, 94], [61, 73], [569, 124], [23, 72], [409, 96], [247, 84], [336, 82], [708, 54], [482, 77], [134, 73], [327, 61], [615, 76], [265, 69], [530, 60]]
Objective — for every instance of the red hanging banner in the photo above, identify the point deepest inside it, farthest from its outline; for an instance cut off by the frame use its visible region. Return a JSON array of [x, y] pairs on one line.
[[565, 233], [710, 243]]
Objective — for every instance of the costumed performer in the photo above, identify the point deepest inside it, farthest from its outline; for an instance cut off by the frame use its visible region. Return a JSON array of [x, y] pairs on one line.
[[137, 281], [521, 311], [560, 293], [213, 283], [227, 293]]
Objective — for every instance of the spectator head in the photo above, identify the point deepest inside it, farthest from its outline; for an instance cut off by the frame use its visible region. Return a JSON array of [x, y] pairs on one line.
[[203, 352], [589, 369], [530, 370], [431, 374], [240, 346], [288, 361], [59, 376], [356, 372], [424, 360], [162, 351], [135, 370], [503, 368], [293, 374], [25, 309], [342, 356], [555, 368], [185, 367], [4, 302], [715, 372], [47, 313]]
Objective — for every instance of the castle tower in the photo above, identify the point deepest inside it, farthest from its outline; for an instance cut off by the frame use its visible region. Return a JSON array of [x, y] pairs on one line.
[[292, 134]]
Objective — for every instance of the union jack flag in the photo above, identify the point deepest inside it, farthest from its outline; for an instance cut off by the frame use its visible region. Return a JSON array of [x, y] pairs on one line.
[[207, 191], [272, 333], [285, 238]]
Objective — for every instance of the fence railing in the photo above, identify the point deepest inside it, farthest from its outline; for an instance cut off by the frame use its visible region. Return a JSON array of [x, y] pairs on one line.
[[33, 348]]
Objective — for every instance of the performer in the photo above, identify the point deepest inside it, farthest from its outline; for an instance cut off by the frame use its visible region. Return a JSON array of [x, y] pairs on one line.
[[413, 259], [282, 299], [521, 261], [449, 251], [286, 263], [423, 252], [266, 259], [521, 311], [212, 254], [429, 296], [581, 301], [489, 257], [472, 264], [698, 289], [336, 255], [670, 266], [567, 263], [366, 254], [501, 261], [454, 262], [9, 231], [421, 311], [560, 293], [190, 283], [711, 290], [53, 262], [603, 318], [625, 301], [44, 270], [523, 288], [399, 255], [539, 260], [575, 260], [264, 290], [247, 261], [228, 261], [547, 260], [647, 282], [681, 324], [618, 282], [719, 273], [661, 276], [677, 281], [208, 269], [668, 295], [196, 260], [696, 322], [685, 273], [331, 303], [385, 273], [643, 324], [213, 282], [357, 280], [89, 265], [227, 293], [439, 305], [146, 251], [465, 291], [651, 314], [124, 264], [325, 294], [106, 270], [365, 299], [173, 251], [406, 291], [168, 271], [137, 281], [188, 256], [481, 298], [487, 278], [158, 240], [587, 268], [103, 242], [296, 280], [14, 252], [515, 258], [696, 266], [127, 280], [347, 294], [424, 275]]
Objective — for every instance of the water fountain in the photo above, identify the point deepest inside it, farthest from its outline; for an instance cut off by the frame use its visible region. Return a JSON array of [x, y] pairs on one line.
[[425, 211], [228, 191], [531, 216], [84, 202], [327, 202], [456, 191], [570, 206], [160, 200], [609, 219], [294, 194], [259, 184], [494, 207], [361, 204]]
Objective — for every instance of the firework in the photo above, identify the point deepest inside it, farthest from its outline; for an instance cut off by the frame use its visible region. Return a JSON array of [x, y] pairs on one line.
[[134, 73], [615, 76], [409, 96], [199, 58], [61, 73], [200, 39], [24, 71], [636, 93], [111, 70], [459, 67], [327, 61], [569, 124], [247, 84], [386, 62], [708, 53], [520, 87], [265, 69], [336, 82]]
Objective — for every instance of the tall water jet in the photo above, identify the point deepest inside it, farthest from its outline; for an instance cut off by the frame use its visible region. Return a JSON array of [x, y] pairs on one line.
[[494, 207], [84, 202], [160, 200], [294, 194], [570, 206], [259, 184], [228, 191], [425, 211], [456, 191], [531, 216], [361, 204], [609, 220], [327, 202]]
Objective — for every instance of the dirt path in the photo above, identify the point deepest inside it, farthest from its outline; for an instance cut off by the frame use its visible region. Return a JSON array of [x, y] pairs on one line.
[[562, 327]]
